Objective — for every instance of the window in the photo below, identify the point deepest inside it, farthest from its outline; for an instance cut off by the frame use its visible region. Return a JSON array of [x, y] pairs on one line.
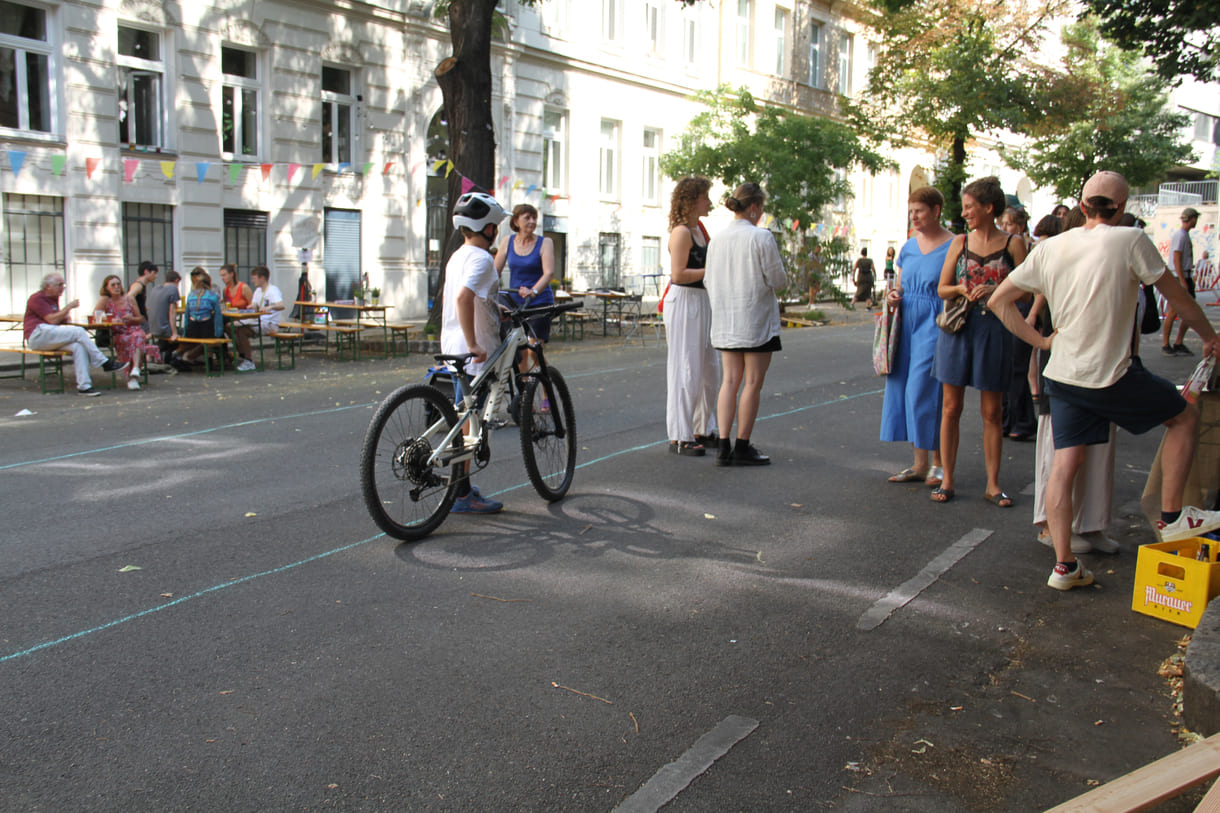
[[1207, 128], [872, 57], [651, 187], [742, 29], [245, 238], [25, 68], [141, 88], [33, 246], [341, 252], [148, 234], [239, 103], [612, 13], [690, 38], [554, 135], [608, 256], [607, 183], [781, 42], [652, 26], [338, 104], [650, 255], [845, 48], [815, 55]]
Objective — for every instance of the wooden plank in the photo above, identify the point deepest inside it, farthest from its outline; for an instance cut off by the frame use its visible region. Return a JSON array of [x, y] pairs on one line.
[[1211, 802], [795, 321], [1152, 784]]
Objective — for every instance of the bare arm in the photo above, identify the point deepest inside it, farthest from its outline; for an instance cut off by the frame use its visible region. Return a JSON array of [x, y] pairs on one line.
[[680, 242], [1003, 303], [173, 321], [548, 265], [948, 287], [465, 312], [895, 294], [60, 316], [501, 256]]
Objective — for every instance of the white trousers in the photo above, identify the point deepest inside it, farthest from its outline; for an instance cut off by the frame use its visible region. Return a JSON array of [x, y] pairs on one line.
[[75, 339], [693, 371], [1093, 491]]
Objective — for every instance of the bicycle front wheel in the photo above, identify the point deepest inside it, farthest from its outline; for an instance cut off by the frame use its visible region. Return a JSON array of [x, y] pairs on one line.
[[548, 434], [406, 496]]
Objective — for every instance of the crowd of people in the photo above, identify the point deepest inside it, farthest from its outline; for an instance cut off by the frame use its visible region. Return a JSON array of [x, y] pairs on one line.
[[142, 321]]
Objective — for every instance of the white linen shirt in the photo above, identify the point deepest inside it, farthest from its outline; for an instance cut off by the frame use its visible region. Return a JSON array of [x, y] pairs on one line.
[[1091, 280], [744, 269]]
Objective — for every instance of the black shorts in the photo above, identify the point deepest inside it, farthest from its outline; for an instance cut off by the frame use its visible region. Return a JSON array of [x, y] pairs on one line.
[[1137, 402], [204, 329], [1190, 286], [772, 346]]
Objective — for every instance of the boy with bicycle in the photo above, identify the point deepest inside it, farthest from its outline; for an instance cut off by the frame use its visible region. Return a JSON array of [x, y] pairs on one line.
[[469, 323]]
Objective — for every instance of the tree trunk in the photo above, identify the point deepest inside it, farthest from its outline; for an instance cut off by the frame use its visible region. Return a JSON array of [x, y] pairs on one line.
[[465, 83], [957, 178]]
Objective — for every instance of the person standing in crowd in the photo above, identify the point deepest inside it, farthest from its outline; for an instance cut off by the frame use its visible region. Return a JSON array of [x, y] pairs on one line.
[[163, 313], [889, 268], [692, 370], [1061, 210], [1020, 422], [140, 288], [865, 277], [1048, 226], [45, 329], [1091, 279], [980, 354], [744, 270], [531, 267], [1182, 263], [128, 338], [911, 410]]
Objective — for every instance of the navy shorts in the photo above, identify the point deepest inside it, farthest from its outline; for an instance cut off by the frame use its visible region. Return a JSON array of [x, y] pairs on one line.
[[772, 345], [979, 355], [1137, 402]]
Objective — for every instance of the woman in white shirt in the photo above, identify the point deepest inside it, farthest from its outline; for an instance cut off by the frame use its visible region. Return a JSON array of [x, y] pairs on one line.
[[744, 269]]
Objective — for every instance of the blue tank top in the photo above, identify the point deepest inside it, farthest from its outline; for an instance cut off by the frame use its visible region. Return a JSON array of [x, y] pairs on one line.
[[524, 270]]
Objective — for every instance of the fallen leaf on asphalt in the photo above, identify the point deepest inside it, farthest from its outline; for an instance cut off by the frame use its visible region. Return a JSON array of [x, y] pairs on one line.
[[924, 745], [709, 516], [795, 505], [167, 595], [1099, 722], [226, 691], [332, 786], [251, 514], [129, 568]]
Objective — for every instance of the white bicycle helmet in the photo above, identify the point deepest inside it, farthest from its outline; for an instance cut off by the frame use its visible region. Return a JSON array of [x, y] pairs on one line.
[[476, 210]]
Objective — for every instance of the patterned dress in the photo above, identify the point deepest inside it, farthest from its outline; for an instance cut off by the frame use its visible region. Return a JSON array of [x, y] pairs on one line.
[[128, 338]]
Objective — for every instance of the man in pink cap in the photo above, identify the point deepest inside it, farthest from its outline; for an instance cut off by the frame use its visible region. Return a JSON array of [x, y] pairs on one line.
[[1091, 280]]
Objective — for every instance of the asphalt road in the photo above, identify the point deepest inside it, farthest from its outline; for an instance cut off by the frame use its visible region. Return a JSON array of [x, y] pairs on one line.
[[199, 615]]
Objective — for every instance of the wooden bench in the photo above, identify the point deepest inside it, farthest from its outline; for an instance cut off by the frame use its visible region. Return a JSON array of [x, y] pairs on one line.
[[208, 346], [344, 335], [52, 358], [405, 330], [569, 321], [1156, 782], [289, 340]]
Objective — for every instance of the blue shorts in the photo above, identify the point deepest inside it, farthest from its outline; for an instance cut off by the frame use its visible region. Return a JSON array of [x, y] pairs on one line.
[[1138, 402], [979, 355]]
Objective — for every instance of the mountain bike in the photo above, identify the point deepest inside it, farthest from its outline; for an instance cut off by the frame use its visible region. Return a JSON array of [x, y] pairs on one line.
[[418, 442]]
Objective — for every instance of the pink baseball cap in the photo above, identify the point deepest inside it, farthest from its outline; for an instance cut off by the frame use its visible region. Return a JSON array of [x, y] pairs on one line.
[[1106, 184]]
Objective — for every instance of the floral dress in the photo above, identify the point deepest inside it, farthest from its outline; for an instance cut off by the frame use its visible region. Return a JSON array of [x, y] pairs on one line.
[[127, 339]]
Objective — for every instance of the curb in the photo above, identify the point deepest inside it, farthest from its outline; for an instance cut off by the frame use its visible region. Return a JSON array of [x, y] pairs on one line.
[[1201, 675]]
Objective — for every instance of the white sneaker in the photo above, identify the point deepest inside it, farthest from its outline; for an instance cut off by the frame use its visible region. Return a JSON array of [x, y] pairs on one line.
[[1193, 522], [135, 372], [1062, 579], [245, 365], [1098, 541], [1079, 543], [132, 384]]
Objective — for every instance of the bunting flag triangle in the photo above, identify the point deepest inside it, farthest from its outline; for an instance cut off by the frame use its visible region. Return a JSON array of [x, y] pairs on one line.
[[531, 189], [517, 185], [467, 184], [167, 169], [201, 170], [58, 162], [796, 225], [292, 170], [503, 181], [15, 160], [91, 166], [234, 172], [266, 170], [386, 170], [316, 169], [344, 165], [436, 166], [448, 168], [367, 167], [130, 165]]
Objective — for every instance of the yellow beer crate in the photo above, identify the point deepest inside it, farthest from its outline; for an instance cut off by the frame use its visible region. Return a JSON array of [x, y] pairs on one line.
[[1174, 581]]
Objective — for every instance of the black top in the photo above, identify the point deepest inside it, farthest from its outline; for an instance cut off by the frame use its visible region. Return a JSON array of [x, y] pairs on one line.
[[696, 258]]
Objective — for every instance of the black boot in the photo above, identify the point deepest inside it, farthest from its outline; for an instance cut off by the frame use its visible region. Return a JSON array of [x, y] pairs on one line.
[[724, 455], [746, 455]]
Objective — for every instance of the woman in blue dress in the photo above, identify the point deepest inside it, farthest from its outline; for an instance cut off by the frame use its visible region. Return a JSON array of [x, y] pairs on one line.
[[911, 411], [531, 266]]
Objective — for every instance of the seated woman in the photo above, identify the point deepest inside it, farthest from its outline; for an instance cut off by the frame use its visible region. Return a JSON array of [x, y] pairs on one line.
[[128, 339], [204, 318], [239, 296]]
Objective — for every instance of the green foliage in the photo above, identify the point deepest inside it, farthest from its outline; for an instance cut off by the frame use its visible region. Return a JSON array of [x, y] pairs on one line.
[[792, 155], [814, 276], [1179, 36], [1118, 120]]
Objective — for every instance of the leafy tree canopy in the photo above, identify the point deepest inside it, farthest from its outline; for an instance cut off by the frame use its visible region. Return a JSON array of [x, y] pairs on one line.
[[1118, 120], [792, 155], [1179, 36]]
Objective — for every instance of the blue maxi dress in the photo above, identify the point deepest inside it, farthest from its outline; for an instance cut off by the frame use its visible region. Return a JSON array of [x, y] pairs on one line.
[[911, 411]]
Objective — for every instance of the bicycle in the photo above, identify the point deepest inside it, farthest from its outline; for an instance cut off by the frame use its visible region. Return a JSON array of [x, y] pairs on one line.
[[418, 442]]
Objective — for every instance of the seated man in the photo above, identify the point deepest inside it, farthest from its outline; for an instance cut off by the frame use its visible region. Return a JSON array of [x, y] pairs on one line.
[[269, 302], [163, 312], [45, 330], [139, 289]]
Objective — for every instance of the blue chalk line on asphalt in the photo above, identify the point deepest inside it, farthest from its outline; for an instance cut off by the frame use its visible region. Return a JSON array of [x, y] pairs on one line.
[[284, 568]]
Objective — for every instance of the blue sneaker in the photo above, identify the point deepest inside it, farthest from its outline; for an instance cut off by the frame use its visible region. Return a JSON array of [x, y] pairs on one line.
[[476, 503]]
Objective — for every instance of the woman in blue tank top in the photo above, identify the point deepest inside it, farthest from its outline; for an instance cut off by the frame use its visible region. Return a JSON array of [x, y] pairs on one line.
[[531, 265]]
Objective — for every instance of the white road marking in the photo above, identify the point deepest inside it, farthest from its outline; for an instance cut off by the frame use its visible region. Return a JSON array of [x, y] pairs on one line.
[[912, 587]]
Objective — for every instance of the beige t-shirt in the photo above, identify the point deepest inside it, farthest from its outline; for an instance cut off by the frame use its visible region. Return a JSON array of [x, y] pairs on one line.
[[1091, 280]]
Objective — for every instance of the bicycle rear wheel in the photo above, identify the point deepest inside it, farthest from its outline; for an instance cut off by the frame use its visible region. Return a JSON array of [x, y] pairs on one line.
[[406, 496], [548, 434]]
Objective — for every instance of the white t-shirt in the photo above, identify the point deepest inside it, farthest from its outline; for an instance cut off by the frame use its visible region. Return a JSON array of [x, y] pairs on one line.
[[744, 269], [272, 296], [1091, 280], [470, 267]]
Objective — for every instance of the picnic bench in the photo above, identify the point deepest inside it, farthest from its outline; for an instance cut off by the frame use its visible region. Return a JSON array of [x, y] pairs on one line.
[[209, 346], [50, 362]]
